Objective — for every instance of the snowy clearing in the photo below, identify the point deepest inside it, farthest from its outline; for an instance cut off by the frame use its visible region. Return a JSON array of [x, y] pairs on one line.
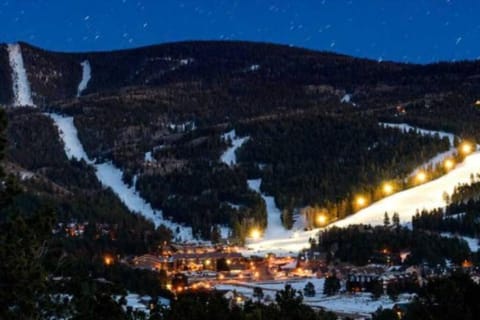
[[111, 176], [229, 157], [86, 75], [428, 196], [21, 87]]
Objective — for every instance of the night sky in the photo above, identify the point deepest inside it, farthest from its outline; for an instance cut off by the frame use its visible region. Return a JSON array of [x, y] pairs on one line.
[[417, 31]]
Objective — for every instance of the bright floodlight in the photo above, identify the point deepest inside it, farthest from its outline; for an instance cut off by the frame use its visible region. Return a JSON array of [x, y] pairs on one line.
[[466, 148], [255, 234], [321, 219], [421, 176], [361, 201], [387, 188], [448, 164]]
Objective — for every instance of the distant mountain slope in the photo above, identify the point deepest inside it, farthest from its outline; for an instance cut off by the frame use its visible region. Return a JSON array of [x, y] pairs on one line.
[[158, 113]]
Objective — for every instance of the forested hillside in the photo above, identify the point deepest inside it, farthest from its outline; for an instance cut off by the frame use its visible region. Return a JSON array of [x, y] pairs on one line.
[[158, 114]]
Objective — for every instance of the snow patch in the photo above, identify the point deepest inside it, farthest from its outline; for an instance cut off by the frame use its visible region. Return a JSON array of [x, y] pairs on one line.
[[347, 98], [404, 127], [229, 157], [183, 127], [21, 87], [472, 242], [254, 67], [111, 176], [86, 75], [149, 157]]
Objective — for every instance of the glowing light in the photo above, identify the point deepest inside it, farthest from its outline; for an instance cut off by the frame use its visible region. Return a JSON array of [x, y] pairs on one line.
[[448, 164], [229, 262], [108, 260], [221, 277], [387, 188], [421, 177], [255, 234], [466, 148], [361, 201], [207, 262], [321, 219]]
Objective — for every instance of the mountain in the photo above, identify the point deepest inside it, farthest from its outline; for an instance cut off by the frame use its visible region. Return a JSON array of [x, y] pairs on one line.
[[160, 114]]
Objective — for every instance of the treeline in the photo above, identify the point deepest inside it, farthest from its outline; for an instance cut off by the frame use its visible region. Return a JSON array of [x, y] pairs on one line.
[[360, 245]]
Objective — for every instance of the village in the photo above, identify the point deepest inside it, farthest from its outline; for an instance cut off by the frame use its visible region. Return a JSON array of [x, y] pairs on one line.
[[345, 289]]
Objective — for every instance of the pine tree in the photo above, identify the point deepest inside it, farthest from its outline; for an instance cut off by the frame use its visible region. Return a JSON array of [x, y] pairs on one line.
[[396, 220], [331, 286], [309, 290], [386, 220]]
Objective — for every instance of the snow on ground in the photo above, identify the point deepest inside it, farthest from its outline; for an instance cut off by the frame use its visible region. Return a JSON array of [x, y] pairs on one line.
[[455, 216], [254, 67], [472, 242], [86, 75], [21, 87], [275, 227], [362, 303], [69, 135], [140, 303], [148, 157], [183, 127], [229, 157], [406, 127], [111, 176], [347, 98], [427, 196], [225, 232]]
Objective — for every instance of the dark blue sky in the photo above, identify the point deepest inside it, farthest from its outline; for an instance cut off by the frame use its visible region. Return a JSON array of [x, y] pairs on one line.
[[401, 30]]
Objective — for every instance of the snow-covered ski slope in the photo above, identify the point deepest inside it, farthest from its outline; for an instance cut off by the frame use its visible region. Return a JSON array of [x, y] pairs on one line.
[[229, 157], [405, 203], [111, 176], [86, 75], [275, 227], [21, 87]]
